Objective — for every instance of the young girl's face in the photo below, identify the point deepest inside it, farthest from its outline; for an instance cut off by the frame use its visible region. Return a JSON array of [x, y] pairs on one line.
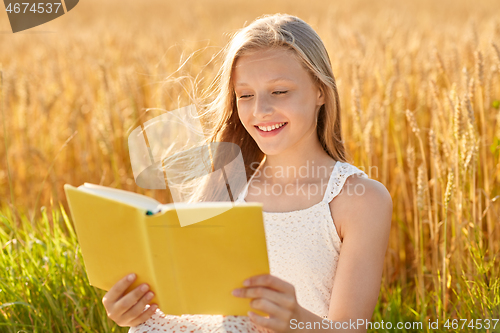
[[277, 100]]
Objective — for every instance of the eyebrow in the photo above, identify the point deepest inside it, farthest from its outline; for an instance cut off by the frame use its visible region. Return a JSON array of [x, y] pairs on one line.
[[270, 81]]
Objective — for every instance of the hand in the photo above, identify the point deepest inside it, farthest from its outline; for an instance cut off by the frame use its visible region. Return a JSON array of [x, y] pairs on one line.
[[128, 310], [273, 296]]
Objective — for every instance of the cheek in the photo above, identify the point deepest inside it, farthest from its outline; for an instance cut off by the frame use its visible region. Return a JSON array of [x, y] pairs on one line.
[[304, 111], [243, 113], [299, 114]]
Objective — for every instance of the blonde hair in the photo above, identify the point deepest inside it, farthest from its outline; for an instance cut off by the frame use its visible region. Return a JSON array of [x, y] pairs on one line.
[[274, 31], [220, 116]]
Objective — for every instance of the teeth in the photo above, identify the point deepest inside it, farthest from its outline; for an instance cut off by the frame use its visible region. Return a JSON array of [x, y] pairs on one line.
[[270, 128]]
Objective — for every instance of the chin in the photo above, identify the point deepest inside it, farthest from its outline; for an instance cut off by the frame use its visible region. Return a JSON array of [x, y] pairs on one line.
[[271, 151]]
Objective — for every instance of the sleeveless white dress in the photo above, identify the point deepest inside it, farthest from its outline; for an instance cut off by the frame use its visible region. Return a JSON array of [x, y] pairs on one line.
[[303, 249]]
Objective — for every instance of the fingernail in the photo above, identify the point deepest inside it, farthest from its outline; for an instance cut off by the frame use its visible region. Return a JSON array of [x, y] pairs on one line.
[[246, 283], [144, 287], [150, 295], [131, 277], [154, 307], [236, 292]]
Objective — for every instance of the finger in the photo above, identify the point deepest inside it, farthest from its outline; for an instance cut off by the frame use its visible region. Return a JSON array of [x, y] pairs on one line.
[[145, 315], [115, 292], [270, 323], [271, 281], [136, 310], [284, 300], [125, 303], [271, 308]]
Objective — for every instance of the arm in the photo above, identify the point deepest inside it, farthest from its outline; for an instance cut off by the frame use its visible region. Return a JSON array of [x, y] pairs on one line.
[[365, 221]]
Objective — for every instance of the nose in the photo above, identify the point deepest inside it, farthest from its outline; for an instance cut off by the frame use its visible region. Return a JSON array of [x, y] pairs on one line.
[[263, 106]]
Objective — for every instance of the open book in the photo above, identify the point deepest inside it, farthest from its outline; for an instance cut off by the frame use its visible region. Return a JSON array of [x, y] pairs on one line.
[[192, 269]]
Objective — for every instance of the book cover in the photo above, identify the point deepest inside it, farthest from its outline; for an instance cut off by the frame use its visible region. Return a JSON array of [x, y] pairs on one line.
[[192, 269]]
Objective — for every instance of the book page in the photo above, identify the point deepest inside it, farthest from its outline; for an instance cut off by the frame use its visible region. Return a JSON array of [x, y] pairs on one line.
[[130, 198]]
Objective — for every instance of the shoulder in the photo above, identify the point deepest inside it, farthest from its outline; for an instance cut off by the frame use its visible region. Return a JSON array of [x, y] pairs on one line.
[[365, 216], [363, 205]]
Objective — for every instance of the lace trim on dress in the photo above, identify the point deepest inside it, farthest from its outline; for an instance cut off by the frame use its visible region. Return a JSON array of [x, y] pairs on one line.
[[341, 172]]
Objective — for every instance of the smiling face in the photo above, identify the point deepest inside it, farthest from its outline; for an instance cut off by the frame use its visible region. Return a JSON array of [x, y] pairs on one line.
[[277, 100]]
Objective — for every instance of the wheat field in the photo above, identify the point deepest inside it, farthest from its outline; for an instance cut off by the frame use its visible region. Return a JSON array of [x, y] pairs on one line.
[[419, 83]]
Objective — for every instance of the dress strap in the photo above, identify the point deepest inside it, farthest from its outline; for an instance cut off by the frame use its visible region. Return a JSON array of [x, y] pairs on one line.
[[340, 173]]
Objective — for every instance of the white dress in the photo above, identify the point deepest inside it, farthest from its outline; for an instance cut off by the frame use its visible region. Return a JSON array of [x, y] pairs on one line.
[[303, 249]]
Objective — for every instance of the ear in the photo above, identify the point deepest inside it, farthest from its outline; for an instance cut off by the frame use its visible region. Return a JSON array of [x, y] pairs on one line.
[[320, 100]]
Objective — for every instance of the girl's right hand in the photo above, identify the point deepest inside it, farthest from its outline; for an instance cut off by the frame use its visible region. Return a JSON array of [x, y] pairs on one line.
[[128, 310]]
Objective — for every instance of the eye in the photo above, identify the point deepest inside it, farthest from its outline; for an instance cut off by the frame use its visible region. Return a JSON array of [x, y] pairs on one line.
[[245, 96], [280, 92]]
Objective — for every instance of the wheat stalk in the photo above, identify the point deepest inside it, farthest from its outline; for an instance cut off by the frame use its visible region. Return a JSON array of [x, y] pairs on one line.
[[447, 198], [497, 52], [457, 120], [356, 110], [420, 187], [413, 123], [479, 67], [410, 159], [435, 152]]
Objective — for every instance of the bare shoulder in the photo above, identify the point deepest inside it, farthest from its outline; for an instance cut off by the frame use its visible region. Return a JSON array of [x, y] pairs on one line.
[[364, 209], [362, 204]]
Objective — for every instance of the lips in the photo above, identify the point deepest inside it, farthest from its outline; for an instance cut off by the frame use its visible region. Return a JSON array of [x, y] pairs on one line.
[[273, 132], [269, 127]]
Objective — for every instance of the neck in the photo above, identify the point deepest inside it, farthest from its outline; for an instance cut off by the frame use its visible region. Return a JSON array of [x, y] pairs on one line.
[[312, 162]]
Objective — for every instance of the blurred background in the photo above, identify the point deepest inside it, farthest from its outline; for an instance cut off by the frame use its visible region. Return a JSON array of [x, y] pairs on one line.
[[419, 84]]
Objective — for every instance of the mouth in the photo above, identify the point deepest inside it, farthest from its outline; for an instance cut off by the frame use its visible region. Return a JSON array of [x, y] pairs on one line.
[[272, 128]]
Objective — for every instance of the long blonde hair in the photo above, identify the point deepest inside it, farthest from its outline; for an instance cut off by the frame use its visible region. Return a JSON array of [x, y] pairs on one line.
[[270, 31]]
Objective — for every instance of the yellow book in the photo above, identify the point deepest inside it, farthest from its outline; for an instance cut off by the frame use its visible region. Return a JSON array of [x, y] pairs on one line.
[[191, 268]]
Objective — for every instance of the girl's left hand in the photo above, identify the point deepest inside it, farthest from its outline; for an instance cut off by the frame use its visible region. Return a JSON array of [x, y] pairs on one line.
[[273, 296]]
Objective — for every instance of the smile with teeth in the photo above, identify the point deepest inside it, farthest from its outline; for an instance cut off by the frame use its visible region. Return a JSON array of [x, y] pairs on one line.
[[270, 128]]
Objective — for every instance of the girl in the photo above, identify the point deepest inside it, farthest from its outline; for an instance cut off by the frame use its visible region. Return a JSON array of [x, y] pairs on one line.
[[277, 99]]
